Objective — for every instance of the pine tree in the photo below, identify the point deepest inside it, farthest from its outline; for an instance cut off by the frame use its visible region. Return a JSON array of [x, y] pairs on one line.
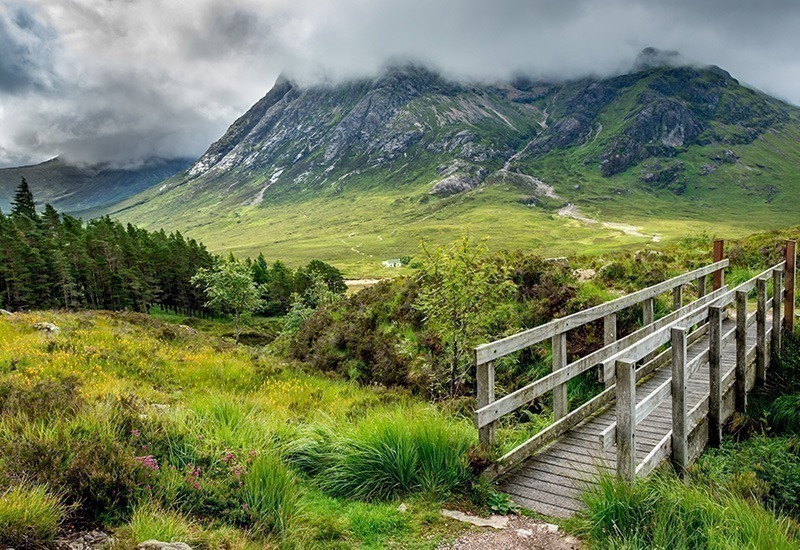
[[23, 204]]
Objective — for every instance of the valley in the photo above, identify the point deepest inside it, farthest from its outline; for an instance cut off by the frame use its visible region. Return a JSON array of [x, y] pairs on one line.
[[361, 172]]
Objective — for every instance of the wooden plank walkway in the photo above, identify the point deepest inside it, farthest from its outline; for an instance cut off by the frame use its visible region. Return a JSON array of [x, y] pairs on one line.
[[550, 482]]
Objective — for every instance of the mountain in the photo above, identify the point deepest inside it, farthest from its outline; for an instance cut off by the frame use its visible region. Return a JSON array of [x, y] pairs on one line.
[[358, 172], [77, 188]]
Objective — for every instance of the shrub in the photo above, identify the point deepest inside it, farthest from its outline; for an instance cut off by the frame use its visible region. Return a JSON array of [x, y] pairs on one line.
[[389, 456], [44, 399], [29, 516], [271, 495]]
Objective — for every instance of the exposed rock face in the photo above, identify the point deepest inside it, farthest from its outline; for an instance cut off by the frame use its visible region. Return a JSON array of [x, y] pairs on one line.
[[412, 126]]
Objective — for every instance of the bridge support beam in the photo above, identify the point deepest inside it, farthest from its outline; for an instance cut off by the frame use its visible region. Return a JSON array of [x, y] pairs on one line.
[[791, 263], [626, 420], [741, 350], [761, 330], [715, 376], [484, 378], [609, 337], [719, 254], [777, 290], [560, 399], [680, 434]]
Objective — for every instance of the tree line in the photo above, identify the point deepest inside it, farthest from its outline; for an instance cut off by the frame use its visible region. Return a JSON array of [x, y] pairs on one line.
[[53, 260]]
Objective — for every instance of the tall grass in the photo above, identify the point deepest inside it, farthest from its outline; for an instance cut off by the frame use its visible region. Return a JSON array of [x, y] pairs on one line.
[[389, 455], [271, 494], [30, 516], [664, 512]]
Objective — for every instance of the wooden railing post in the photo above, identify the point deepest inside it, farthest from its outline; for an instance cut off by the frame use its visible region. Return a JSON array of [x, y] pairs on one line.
[[680, 434], [677, 298], [626, 420], [719, 253], [701, 287], [648, 317], [791, 262], [484, 377], [777, 289], [761, 330], [609, 337], [741, 350], [714, 376], [560, 400]]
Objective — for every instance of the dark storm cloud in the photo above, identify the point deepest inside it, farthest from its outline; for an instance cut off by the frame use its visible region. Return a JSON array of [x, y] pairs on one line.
[[125, 79], [25, 51]]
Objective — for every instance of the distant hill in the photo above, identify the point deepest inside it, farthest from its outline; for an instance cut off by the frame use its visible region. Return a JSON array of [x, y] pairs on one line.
[[358, 172], [76, 188]]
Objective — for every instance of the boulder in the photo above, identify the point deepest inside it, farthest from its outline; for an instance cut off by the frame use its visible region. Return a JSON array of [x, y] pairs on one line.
[[6, 313], [47, 328]]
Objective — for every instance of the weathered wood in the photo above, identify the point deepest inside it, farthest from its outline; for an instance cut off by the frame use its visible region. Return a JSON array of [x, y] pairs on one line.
[[741, 350], [701, 286], [677, 298], [719, 253], [560, 400], [609, 337], [626, 420], [680, 441], [524, 339], [656, 456], [714, 376], [777, 294], [484, 377], [549, 434], [606, 355], [791, 262], [761, 330]]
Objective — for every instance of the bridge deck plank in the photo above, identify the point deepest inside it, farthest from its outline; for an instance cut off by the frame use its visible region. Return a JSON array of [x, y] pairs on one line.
[[550, 482]]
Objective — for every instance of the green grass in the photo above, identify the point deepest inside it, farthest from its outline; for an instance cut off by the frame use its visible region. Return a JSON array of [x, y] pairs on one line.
[[664, 512], [29, 515], [154, 433]]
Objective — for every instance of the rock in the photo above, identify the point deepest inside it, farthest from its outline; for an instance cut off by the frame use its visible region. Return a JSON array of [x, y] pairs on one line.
[[524, 533], [495, 522], [585, 274], [707, 169], [89, 540], [547, 527], [48, 328], [156, 545], [456, 183], [402, 508], [188, 329], [6, 313]]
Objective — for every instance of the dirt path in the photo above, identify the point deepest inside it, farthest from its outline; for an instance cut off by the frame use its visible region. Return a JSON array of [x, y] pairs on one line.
[[572, 211], [521, 533]]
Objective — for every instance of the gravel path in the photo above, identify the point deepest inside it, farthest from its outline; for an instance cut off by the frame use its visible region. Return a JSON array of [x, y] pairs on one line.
[[521, 533]]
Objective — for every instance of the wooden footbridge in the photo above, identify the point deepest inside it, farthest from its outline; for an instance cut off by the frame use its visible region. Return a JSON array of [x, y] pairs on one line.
[[670, 385]]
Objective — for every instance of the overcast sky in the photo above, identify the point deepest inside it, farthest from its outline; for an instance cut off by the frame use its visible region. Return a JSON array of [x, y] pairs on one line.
[[122, 80]]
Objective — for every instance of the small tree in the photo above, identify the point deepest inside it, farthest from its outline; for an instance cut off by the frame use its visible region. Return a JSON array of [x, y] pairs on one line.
[[463, 294], [230, 289]]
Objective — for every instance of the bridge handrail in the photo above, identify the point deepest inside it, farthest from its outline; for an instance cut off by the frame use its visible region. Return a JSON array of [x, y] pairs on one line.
[[630, 414], [608, 353], [521, 340]]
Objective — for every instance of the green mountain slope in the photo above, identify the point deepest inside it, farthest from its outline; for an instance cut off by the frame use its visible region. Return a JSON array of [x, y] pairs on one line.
[[75, 189], [360, 172]]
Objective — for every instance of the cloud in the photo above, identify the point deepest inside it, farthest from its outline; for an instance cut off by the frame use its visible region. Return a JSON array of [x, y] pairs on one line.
[[121, 80], [25, 52]]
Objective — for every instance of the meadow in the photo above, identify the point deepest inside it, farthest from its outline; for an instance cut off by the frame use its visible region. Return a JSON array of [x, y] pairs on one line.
[[153, 432]]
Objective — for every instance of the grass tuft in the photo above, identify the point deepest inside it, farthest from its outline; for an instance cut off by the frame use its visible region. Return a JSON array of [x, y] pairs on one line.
[[30, 516]]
